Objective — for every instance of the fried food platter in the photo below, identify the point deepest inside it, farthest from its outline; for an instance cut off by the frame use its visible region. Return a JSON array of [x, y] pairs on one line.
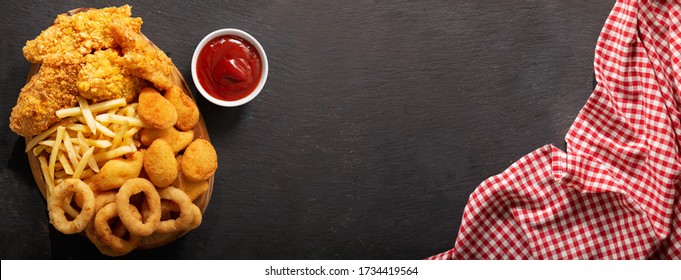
[[200, 132]]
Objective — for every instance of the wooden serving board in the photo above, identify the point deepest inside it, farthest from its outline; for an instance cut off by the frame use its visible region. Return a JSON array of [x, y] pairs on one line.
[[200, 132]]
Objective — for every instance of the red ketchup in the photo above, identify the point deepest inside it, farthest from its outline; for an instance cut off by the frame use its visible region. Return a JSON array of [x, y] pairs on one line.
[[229, 68]]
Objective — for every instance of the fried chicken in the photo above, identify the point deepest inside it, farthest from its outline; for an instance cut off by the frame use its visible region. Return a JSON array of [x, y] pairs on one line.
[[141, 57], [103, 77], [79, 54], [51, 89], [61, 49], [80, 33]]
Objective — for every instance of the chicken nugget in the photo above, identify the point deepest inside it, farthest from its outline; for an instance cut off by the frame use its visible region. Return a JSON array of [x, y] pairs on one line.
[[156, 111], [177, 140], [187, 112], [103, 78], [160, 164], [199, 161], [141, 56], [115, 172], [191, 188]]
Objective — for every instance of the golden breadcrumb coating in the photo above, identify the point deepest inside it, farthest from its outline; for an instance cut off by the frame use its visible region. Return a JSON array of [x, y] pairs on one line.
[[103, 77], [79, 54], [141, 57], [199, 161], [80, 33], [51, 89], [61, 49], [156, 111], [193, 189], [187, 112]]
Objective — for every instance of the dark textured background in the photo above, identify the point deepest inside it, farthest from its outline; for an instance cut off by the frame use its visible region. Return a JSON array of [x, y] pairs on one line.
[[378, 119]]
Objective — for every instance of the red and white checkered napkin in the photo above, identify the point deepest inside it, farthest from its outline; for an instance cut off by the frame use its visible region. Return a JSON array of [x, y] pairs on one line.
[[615, 193]]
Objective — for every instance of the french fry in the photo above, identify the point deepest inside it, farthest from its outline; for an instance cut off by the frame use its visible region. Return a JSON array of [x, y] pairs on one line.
[[93, 164], [134, 144], [68, 112], [109, 155], [119, 136], [87, 114], [107, 132], [90, 142], [77, 127], [82, 141], [84, 147], [83, 162], [65, 164], [129, 111], [131, 132], [85, 143], [117, 119], [40, 137], [81, 119], [38, 149], [49, 182], [48, 143], [70, 151], [55, 150], [94, 108], [106, 105], [102, 144]]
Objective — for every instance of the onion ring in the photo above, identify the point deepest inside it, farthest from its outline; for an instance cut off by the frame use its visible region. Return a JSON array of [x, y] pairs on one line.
[[167, 209], [123, 206], [101, 200], [158, 239], [103, 248], [103, 229], [184, 221], [198, 217], [104, 198], [118, 230], [56, 209]]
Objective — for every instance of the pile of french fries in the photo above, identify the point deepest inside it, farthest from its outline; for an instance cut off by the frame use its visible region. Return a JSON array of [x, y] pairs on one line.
[[85, 138]]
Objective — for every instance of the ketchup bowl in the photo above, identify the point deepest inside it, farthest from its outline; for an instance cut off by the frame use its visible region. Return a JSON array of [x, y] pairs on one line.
[[229, 67]]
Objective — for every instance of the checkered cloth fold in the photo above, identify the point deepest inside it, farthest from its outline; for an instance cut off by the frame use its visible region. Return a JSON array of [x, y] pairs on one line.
[[615, 193]]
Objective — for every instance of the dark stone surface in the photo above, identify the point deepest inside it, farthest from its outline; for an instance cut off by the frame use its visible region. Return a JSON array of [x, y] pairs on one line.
[[378, 120]]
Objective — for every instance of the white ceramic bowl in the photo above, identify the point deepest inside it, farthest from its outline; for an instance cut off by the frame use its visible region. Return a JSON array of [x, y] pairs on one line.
[[263, 60]]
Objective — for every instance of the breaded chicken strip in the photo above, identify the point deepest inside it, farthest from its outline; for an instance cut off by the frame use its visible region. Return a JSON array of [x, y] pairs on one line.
[[80, 33], [51, 89], [141, 57], [60, 49], [103, 77]]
